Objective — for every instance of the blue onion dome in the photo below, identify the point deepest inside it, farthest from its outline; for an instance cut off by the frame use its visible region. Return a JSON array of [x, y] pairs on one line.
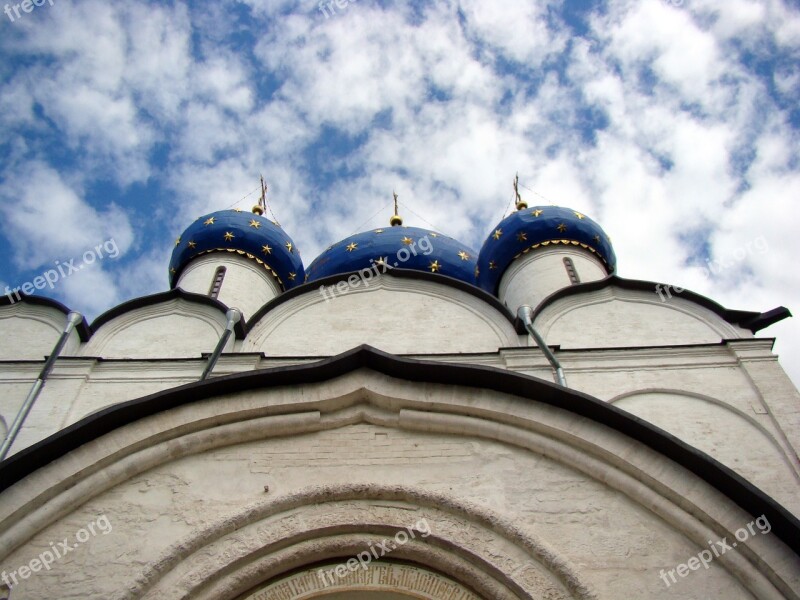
[[397, 247], [541, 226], [247, 234]]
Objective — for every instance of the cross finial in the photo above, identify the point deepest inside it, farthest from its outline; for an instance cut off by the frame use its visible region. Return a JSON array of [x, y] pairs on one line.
[[264, 189], [261, 207], [521, 204], [396, 219]]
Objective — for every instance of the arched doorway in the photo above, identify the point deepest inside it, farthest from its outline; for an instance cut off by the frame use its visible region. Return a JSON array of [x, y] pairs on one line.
[[382, 580]]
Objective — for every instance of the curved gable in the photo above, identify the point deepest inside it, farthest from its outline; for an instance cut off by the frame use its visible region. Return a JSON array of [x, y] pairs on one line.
[[30, 328], [401, 314], [170, 325], [628, 312], [612, 316]]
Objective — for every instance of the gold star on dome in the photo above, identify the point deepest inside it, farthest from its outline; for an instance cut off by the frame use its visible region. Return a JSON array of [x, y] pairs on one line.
[[379, 231], [351, 246], [289, 246], [463, 255], [237, 210], [435, 266], [579, 215], [209, 221], [173, 271], [229, 236], [434, 234], [537, 212], [477, 271], [382, 261], [292, 276], [192, 244], [492, 265], [407, 240], [561, 227], [596, 239], [178, 242], [497, 233], [266, 249], [254, 223], [522, 236]]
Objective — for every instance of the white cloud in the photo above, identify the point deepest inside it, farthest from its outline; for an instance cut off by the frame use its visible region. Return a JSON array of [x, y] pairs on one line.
[[49, 220], [446, 100], [517, 29]]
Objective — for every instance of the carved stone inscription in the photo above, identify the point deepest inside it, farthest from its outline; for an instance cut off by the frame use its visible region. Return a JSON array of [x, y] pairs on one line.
[[377, 577]]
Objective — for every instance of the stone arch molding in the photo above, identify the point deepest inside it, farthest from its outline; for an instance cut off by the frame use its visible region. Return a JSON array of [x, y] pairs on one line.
[[721, 429], [477, 549], [86, 469], [722, 405]]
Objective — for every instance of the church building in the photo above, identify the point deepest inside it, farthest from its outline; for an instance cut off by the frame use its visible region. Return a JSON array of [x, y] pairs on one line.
[[403, 417]]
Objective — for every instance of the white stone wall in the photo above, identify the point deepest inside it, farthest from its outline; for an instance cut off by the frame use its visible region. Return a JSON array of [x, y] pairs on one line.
[[737, 439], [702, 394], [30, 332], [539, 273], [247, 285], [395, 315], [662, 361], [235, 490]]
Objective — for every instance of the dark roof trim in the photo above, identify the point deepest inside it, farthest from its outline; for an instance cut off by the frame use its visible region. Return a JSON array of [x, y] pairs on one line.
[[753, 321], [240, 330], [83, 329], [784, 525], [766, 319], [313, 286]]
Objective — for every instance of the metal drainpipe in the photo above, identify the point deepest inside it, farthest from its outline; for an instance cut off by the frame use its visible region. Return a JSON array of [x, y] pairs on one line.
[[73, 318], [524, 313], [234, 315]]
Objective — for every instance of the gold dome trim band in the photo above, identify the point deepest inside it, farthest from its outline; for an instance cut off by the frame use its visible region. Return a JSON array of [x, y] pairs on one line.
[[565, 243], [269, 269]]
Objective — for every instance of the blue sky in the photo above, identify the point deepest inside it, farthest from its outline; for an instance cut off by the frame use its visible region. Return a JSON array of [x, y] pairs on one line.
[[673, 123]]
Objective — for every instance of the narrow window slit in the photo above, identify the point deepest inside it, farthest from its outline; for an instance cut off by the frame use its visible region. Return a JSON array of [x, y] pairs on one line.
[[217, 283], [571, 272]]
